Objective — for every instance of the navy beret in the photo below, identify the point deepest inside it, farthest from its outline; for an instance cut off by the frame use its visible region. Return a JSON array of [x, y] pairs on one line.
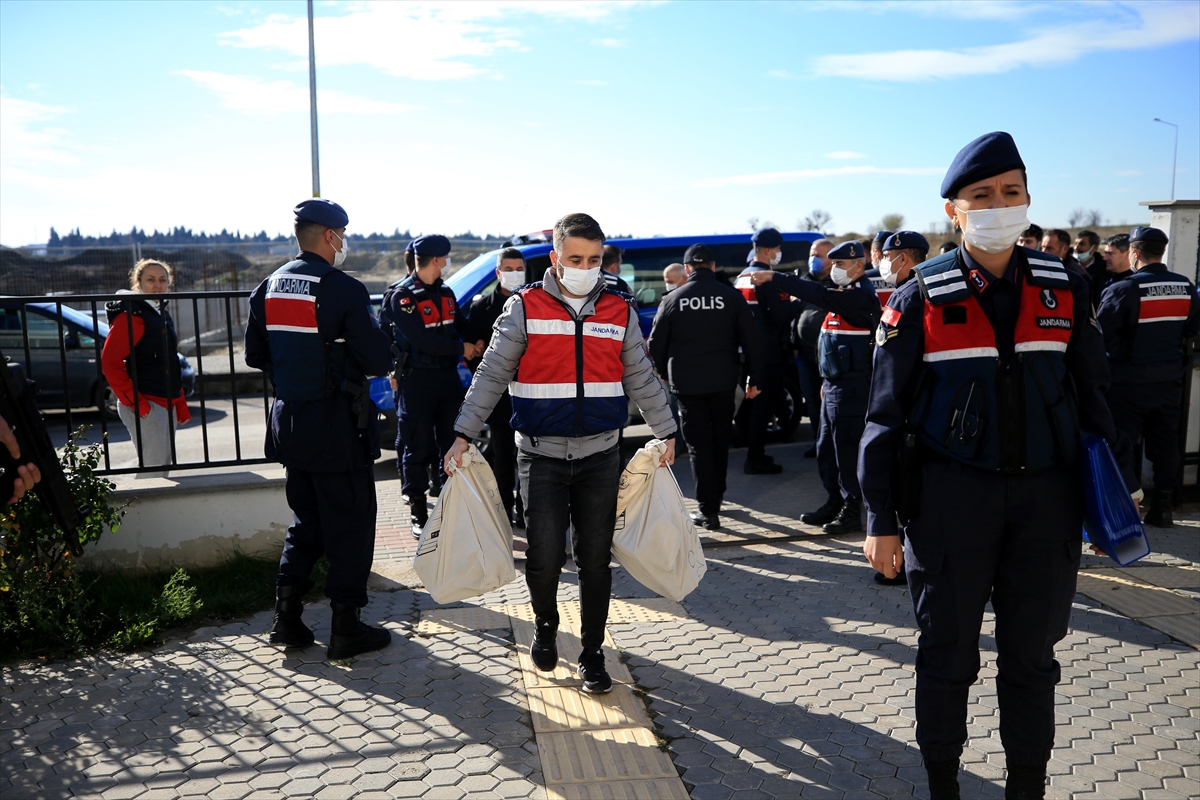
[[767, 237], [432, 245], [903, 240], [882, 236], [697, 254], [846, 251], [987, 156], [323, 212], [1143, 233]]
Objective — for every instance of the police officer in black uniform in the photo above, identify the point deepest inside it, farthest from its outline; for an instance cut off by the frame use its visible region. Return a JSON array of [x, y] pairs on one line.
[[844, 358], [697, 332], [986, 370], [428, 345], [773, 312], [311, 328], [485, 309], [1145, 320]]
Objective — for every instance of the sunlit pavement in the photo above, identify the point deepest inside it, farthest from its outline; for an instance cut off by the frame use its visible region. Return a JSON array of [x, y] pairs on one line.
[[787, 673]]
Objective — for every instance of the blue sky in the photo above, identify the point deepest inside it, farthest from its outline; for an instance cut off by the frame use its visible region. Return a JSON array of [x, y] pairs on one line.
[[657, 118]]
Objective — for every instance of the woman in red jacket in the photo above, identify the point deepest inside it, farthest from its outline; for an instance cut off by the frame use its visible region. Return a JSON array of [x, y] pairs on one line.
[[142, 344]]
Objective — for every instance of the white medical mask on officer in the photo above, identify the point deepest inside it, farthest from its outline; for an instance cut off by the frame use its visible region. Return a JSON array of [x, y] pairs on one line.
[[841, 271], [339, 256], [992, 213], [886, 270]]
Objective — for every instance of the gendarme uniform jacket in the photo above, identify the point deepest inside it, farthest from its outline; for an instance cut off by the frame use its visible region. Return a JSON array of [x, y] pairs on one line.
[[427, 323], [1002, 387], [1145, 319], [568, 373]]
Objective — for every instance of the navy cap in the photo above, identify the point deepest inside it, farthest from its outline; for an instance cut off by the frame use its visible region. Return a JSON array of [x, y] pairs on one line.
[[846, 251], [432, 245], [697, 254], [903, 240], [882, 236], [767, 237], [987, 156], [323, 212], [1143, 233]]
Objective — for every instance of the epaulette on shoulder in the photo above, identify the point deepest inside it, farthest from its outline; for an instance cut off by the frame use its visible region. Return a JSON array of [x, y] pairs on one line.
[[1046, 270], [942, 279]]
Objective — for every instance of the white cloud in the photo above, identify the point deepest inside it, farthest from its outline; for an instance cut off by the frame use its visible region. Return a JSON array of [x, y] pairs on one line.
[[1129, 173], [845, 155], [783, 75], [797, 175], [27, 139], [613, 43], [1154, 25], [417, 40], [256, 96], [975, 9]]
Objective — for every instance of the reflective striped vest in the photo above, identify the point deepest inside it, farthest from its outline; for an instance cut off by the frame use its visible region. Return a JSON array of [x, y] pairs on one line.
[[1165, 300], [298, 359], [568, 382], [436, 312], [977, 409], [843, 351]]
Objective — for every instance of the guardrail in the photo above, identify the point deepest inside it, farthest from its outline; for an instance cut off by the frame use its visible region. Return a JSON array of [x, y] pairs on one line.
[[52, 337]]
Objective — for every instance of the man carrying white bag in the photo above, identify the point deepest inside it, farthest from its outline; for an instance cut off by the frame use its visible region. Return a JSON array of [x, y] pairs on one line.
[[466, 548], [655, 539]]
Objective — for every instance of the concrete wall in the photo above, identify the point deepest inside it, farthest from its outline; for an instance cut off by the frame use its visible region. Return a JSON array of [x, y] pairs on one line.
[[1180, 220], [194, 520]]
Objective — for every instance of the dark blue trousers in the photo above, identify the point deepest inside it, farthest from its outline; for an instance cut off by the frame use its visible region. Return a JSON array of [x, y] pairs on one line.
[[810, 386], [427, 404], [768, 404], [559, 493], [1152, 411], [843, 419], [1011, 539], [334, 515]]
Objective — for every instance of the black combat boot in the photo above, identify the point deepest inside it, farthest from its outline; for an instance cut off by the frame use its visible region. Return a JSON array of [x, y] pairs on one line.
[[1159, 514], [826, 513], [418, 514], [849, 520], [349, 636], [544, 649], [943, 779], [288, 630], [1025, 783]]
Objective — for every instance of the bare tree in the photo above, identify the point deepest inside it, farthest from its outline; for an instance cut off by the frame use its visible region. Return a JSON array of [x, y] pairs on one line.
[[1081, 217], [818, 220]]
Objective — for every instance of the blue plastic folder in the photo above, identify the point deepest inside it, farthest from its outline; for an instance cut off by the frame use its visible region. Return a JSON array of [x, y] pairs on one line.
[[381, 394], [1111, 520]]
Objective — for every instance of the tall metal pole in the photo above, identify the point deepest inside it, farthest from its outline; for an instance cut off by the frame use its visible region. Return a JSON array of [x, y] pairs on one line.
[[1174, 154], [312, 102]]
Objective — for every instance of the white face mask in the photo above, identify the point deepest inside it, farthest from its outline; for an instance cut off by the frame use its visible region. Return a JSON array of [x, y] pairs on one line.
[[994, 230], [577, 281], [339, 257], [886, 272], [1083, 256], [840, 276], [775, 259], [511, 280]]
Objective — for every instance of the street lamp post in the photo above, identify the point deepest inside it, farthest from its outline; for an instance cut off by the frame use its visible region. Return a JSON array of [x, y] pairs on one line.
[[312, 102], [1175, 155]]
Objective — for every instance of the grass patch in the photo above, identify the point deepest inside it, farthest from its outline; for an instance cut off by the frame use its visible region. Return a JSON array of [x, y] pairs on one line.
[[132, 610]]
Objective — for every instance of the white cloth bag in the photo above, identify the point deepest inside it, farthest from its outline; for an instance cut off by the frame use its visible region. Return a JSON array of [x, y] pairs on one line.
[[654, 538], [466, 548]]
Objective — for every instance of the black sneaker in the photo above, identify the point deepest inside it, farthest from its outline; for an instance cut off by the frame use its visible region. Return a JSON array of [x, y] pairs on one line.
[[419, 515], [762, 466], [826, 513], [595, 676], [544, 649]]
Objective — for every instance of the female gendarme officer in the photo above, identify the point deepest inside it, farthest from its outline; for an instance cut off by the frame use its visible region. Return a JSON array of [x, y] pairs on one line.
[[986, 370]]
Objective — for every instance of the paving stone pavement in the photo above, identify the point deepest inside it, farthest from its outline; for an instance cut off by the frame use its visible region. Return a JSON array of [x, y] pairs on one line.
[[789, 675]]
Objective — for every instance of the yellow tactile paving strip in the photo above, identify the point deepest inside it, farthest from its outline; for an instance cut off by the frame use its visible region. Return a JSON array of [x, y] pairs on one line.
[[1148, 594], [592, 747]]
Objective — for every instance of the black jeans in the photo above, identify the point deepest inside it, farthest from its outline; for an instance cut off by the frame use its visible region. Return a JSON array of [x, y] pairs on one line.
[[582, 492], [706, 420], [503, 452], [762, 408], [426, 406]]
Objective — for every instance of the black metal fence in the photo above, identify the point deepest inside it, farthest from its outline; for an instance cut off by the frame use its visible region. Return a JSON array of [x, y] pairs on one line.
[[60, 340]]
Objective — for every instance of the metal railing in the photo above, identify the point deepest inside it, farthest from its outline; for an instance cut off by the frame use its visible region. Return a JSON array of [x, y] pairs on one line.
[[84, 390]]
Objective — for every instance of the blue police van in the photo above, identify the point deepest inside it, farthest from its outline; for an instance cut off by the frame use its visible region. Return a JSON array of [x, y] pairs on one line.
[[643, 261]]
